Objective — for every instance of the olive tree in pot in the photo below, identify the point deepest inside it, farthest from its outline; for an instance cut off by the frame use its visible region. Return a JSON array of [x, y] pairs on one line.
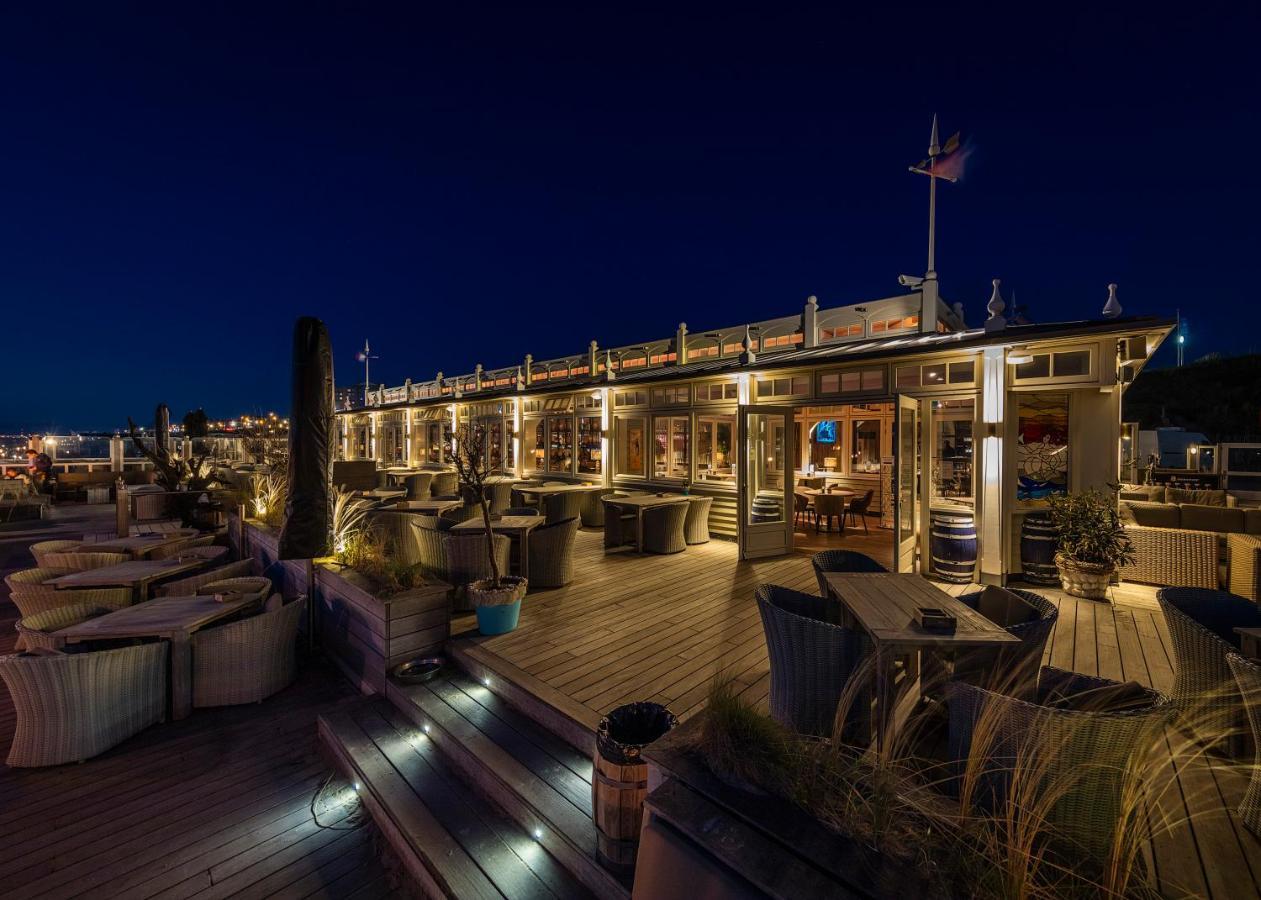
[[1091, 542], [496, 598]]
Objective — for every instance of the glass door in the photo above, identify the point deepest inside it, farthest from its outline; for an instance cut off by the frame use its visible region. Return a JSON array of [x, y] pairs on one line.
[[906, 474], [766, 483]]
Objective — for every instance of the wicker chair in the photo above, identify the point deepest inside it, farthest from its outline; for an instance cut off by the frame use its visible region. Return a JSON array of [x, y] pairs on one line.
[[1248, 677], [811, 658], [81, 562], [1177, 557], [552, 554], [248, 660], [857, 509], [829, 506], [40, 631], [445, 484], [171, 550], [1244, 554], [73, 706], [841, 561], [418, 485], [1012, 669], [395, 529], [1086, 750], [696, 525], [208, 553], [619, 524], [467, 562], [563, 506], [499, 496], [32, 597], [245, 586], [1201, 623], [190, 586], [430, 547], [521, 511], [593, 507], [43, 547], [459, 514], [663, 528]]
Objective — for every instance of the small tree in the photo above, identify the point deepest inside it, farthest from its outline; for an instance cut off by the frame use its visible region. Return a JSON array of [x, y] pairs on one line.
[[469, 459]]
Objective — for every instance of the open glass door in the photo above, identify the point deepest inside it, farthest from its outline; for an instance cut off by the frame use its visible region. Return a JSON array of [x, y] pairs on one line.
[[906, 488], [766, 485]]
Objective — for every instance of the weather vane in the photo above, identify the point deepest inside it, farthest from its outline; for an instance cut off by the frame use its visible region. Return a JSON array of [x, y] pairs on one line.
[[943, 161]]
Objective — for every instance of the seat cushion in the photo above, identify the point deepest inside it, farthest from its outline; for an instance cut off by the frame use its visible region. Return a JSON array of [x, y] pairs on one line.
[[1252, 521], [1198, 497], [1148, 493], [1002, 607], [1151, 515], [1200, 517]]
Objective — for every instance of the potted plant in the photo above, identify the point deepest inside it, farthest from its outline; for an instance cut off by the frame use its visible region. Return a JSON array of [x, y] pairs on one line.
[[1091, 542], [497, 599]]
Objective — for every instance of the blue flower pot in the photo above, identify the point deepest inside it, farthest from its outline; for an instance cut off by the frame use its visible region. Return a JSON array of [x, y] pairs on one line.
[[498, 619]]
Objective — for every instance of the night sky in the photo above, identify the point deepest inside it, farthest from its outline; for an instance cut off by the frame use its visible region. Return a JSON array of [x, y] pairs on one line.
[[463, 185]]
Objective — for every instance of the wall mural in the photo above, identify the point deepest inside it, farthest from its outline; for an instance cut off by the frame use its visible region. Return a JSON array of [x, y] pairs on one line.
[[1041, 446]]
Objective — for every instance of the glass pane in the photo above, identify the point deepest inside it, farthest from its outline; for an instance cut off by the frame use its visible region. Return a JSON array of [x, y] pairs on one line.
[[435, 442], [1075, 362], [824, 440], [561, 449], [1038, 367], [494, 444], [873, 379], [715, 459], [535, 449], [952, 452], [510, 445], [962, 372], [906, 376], [934, 374], [765, 469], [907, 428], [630, 446], [865, 452], [1041, 445], [589, 445]]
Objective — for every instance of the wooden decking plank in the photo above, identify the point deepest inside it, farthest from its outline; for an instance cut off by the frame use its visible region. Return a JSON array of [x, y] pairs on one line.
[[305, 874]]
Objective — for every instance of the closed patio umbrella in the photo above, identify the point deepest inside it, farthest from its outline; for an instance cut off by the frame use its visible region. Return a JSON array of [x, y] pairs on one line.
[[306, 533]]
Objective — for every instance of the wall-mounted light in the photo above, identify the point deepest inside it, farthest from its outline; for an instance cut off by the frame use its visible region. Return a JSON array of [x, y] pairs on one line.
[[1019, 356]]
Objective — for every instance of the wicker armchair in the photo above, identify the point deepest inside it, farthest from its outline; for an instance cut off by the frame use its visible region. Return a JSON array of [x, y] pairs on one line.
[[1082, 752], [812, 659], [73, 706], [1248, 677], [81, 562], [395, 529], [619, 525], [663, 528], [44, 547], [1177, 557], [248, 660], [841, 561], [1013, 668], [32, 597], [190, 586], [499, 496], [696, 525], [418, 485], [467, 562], [1244, 553], [521, 511], [40, 630], [444, 484], [431, 550], [1201, 623], [247, 586], [563, 506], [459, 514], [552, 554], [593, 507]]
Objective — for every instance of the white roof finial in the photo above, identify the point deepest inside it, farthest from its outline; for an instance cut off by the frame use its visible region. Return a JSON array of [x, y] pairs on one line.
[[996, 322], [1112, 308]]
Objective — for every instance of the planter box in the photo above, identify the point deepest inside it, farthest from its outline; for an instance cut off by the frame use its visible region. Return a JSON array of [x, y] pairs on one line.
[[363, 634], [700, 830]]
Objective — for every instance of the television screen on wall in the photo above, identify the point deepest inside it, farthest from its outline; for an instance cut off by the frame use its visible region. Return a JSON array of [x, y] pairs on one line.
[[825, 432]]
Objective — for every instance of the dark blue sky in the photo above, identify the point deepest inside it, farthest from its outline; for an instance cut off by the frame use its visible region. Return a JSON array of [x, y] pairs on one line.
[[466, 184]]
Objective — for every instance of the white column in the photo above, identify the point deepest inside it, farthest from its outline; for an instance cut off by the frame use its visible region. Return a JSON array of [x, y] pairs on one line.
[[990, 502]]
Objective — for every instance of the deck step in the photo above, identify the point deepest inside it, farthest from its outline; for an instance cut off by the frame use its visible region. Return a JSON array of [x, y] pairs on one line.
[[539, 780], [452, 841]]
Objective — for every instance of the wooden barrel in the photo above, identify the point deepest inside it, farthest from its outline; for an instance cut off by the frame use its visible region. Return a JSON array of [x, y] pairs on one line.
[[768, 507], [1038, 539], [952, 545], [619, 781]]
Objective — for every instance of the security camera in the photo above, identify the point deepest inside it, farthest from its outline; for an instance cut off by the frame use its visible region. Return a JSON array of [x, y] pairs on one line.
[[910, 281]]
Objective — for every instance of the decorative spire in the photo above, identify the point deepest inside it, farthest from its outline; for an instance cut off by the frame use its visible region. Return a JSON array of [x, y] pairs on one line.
[[996, 322], [608, 365], [748, 355], [1112, 308], [934, 145]]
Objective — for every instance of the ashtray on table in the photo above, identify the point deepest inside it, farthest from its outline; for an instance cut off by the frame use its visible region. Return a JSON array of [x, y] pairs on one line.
[[932, 618]]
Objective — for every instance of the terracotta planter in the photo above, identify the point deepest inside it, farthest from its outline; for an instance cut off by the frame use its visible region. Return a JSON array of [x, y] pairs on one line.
[[1088, 580]]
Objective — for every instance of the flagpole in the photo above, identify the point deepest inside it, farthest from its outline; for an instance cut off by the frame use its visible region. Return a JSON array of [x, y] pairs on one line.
[[934, 148]]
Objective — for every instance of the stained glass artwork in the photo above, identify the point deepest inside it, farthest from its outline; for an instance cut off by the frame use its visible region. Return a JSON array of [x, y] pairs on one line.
[[1041, 446]]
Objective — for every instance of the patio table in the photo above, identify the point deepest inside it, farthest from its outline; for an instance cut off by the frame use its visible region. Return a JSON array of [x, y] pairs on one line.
[[137, 574], [513, 526], [426, 507], [171, 618], [641, 502], [136, 546], [885, 606], [383, 493]]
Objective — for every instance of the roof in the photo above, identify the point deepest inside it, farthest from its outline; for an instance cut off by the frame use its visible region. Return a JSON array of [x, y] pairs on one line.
[[852, 351]]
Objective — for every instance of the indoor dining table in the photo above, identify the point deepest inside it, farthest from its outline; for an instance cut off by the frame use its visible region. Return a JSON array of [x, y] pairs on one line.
[[811, 493]]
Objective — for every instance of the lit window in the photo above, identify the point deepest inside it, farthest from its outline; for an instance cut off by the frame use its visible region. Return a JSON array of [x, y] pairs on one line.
[[671, 453], [962, 372], [630, 435]]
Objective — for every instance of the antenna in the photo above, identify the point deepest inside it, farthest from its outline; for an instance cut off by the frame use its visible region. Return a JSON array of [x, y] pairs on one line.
[[364, 356]]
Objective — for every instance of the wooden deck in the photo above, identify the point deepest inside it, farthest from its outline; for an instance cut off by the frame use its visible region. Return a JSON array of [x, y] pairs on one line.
[[216, 805], [635, 627]]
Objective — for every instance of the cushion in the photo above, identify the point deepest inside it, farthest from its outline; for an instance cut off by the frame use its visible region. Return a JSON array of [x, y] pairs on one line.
[[1152, 515], [1252, 521], [1152, 493], [1217, 611], [1002, 607], [1199, 517], [1199, 497], [274, 602]]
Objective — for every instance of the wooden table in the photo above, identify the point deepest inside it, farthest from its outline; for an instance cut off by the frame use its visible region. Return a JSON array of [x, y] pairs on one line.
[[513, 526], [814, 492], [641, 502], [383, 493], [426, 507], [137, 574], [137, 546], [1250, 642], [542, 490], [885, 607], [171, 618]]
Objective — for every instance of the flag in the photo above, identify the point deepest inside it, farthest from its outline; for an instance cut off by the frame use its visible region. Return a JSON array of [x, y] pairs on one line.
[[948, 163]]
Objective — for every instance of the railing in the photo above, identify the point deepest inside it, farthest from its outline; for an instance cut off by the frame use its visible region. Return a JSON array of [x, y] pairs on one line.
[[812, 328]]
